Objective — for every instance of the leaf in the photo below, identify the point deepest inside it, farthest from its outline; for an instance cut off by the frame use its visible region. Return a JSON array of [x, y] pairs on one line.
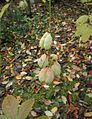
[[46, 41], [86, 1], [25, 108], [7, 0], [88, 114], [87, 33], [44, 1], [76, 86], [23, 4], [54, 110], [69, 78], [85, 37], [41, 43], [81, 29], [23, 73], [90, 19], [56, 68], [32, 1], [82, 19], [3, 117], [18, 77], [34, 114], [5, 7], [10, 107], [84, 32], [46, 75], [43, 61], [43, 117], [48, 113], [53, 57], [28, 78], [57, 82], [64, 99], [89, 95]]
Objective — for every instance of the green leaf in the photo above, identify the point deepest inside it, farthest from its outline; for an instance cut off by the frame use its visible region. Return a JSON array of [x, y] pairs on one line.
[[7, 0], [43, 117], [86, 34], [23, 4], [53, 57], [44, 1], [43, 61], [82, 19], [46, 41], [90, 19], [3, 117], [89, 95], [85, 37], [56, 68], [25, 108], [84, 31], [10, 107], [86, 1], [41, 43], [5, 7]]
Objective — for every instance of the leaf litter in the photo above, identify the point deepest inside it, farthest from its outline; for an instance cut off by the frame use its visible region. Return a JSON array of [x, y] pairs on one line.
[[65, 97]]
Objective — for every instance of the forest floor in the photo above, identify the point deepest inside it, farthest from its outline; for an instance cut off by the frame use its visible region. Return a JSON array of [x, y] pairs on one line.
[[69, 97]]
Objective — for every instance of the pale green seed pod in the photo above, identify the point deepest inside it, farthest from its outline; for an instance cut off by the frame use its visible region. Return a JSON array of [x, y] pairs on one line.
[[43, 61], [46, 75], [56, 69], [46, 41]]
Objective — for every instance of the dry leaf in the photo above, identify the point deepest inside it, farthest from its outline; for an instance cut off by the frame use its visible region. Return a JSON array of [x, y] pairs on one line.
[[47, 102], [25, 108], [18, 77], [23, 73], [54, 110], [57, 82], [69, 78], [48, 113], [28, 78], [34, 114], [45, 86], [64, 99], [88, 114], [10, 107], [76, 86]]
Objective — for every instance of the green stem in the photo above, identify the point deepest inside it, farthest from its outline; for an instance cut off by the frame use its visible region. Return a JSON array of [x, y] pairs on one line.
[[50, 15]]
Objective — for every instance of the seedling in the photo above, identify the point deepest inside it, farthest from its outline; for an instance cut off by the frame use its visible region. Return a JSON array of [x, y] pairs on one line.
[[50, 68]]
